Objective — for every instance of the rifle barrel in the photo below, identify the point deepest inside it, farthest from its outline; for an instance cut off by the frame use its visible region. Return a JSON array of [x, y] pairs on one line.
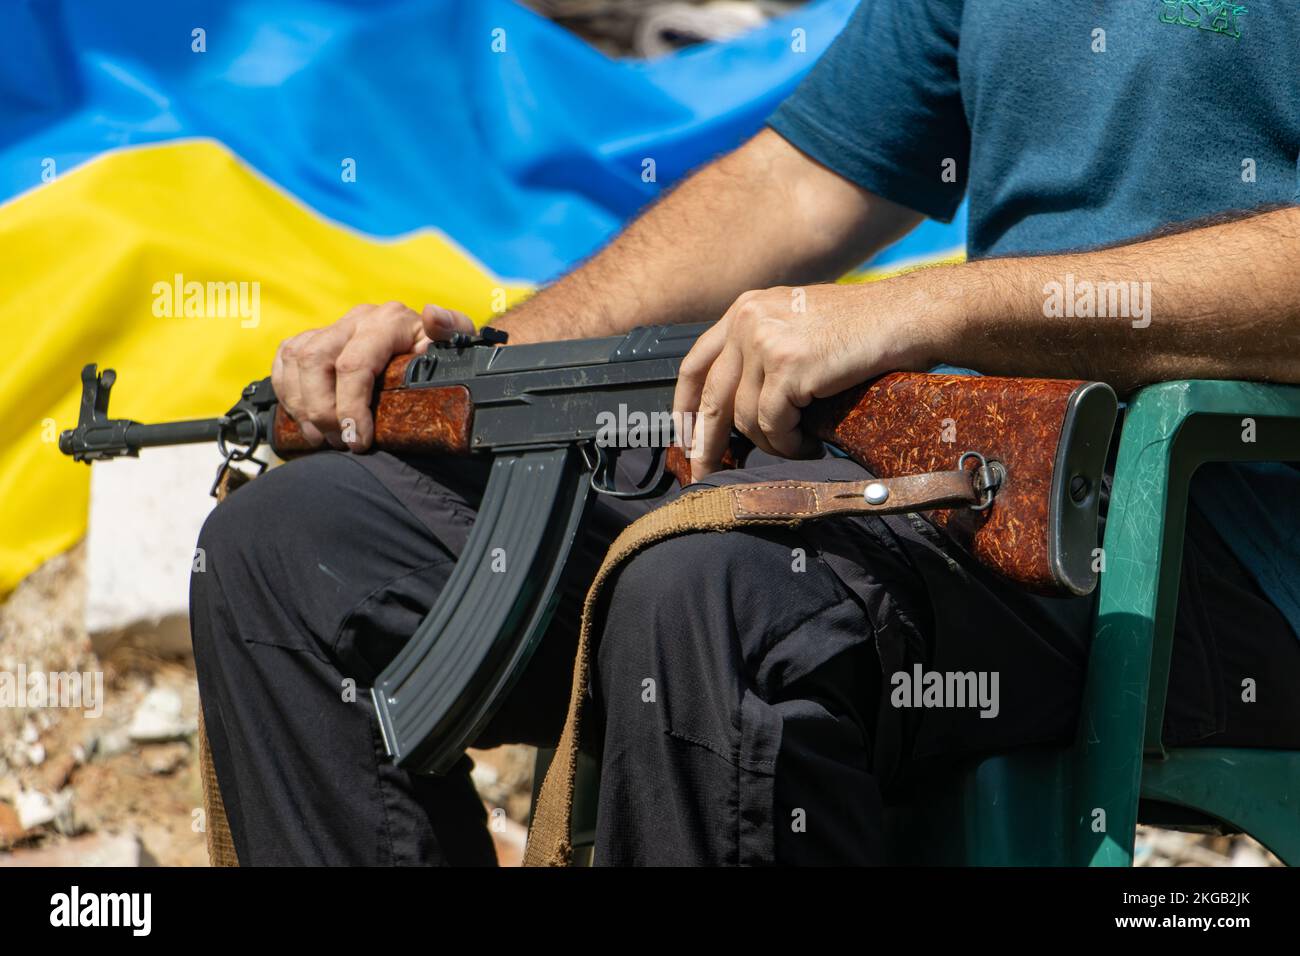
[[113, 437], [173, 433]]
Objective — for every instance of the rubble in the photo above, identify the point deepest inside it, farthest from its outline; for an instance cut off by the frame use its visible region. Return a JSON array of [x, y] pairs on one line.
[[158, 718], [57, 774], [37, 808], [104, 849], [164, 759], [11, 827], [108, 744], [1157, 848]]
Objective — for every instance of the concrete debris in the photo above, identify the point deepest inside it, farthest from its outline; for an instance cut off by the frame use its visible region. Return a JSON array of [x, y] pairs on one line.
[[11, 826], [145, 515], [158, 718], [56, 774], [102, 746], [504, 778], [36, 809], [1156, 848], [163, 759], [484, 776], [101, 849], [1245, 853]]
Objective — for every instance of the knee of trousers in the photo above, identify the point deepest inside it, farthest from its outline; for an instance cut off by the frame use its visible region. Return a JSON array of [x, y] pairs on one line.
[[250, 561], [305, 498], [702, 601]]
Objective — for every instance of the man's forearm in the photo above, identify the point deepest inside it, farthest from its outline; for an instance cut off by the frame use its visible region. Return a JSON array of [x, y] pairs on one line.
[[1221, 301], [763, 215]]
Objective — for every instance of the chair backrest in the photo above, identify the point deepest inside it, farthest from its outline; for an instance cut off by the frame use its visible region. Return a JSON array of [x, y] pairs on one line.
[[1169, 430]]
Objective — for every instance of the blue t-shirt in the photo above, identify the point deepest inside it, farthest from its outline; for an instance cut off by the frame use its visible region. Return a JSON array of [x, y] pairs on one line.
[[1074, 125]]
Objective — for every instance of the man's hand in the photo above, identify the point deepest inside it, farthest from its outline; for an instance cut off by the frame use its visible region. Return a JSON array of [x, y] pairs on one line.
[[777, 350], [325, 378]]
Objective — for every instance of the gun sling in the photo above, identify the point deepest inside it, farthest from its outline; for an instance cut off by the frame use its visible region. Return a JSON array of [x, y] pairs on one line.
[[787, 503], [216, 826]]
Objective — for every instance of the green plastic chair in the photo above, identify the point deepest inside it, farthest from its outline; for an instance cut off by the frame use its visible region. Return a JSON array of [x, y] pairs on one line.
[[1080, 805]]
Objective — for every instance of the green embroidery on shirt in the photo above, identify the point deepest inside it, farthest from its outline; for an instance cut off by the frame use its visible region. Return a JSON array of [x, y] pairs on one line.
[[1215, 16]]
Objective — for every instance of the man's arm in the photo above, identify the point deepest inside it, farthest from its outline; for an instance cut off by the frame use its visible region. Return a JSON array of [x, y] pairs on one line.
[[763, 215], [1221, 301]]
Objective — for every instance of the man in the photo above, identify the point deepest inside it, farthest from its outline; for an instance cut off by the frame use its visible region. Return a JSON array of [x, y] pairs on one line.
[[1160, 139]]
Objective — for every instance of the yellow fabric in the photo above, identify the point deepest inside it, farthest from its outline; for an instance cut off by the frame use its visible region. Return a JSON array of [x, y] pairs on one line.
[[80, 258], [876, 274]]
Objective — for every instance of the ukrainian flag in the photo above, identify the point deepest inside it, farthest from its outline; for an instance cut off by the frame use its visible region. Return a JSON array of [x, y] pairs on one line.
[[183, 184]]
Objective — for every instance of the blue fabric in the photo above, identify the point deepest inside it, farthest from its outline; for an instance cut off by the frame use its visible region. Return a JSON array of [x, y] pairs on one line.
[[1058, 145], [529, 158]]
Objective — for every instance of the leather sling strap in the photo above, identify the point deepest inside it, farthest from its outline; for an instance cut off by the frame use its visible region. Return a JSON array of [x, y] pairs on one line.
[[716, 509]]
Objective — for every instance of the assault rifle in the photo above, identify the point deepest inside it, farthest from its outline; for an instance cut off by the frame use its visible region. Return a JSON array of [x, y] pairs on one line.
[[553, 419]]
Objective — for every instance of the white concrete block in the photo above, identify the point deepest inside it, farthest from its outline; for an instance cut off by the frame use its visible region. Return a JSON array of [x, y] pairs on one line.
[[145, 516]]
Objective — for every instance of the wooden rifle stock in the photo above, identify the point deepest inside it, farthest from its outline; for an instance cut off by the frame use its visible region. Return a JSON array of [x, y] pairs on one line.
[[1049, 435], [910, 423]]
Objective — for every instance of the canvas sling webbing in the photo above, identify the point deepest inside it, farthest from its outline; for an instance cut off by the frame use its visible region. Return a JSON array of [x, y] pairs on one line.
[[718, 509], [221, 846]]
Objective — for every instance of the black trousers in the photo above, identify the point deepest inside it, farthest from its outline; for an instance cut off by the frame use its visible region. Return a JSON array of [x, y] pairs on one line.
[[746, 702]]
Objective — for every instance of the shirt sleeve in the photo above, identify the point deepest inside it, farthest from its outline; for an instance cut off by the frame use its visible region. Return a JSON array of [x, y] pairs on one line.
[[882, 107]]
